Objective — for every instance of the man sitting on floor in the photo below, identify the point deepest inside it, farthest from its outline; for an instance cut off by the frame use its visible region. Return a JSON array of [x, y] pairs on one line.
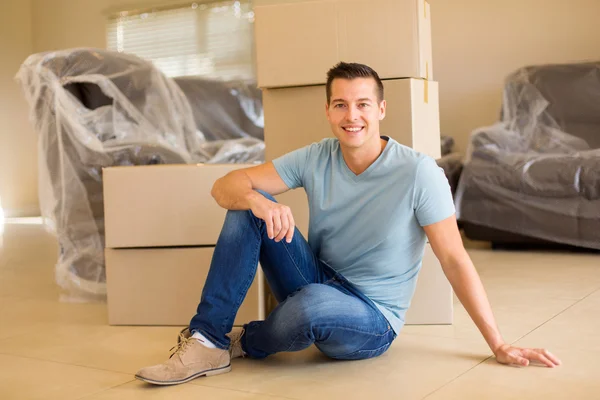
[[373, 204]]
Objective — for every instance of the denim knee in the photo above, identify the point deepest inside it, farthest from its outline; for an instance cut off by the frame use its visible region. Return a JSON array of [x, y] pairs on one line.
[[341, 352]]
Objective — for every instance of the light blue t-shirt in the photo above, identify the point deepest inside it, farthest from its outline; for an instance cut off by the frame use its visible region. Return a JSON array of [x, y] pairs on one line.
[[368, 227]]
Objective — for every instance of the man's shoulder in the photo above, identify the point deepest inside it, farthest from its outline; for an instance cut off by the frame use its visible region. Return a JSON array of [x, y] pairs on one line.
[[327, 144], [323, 148], [405, 157]]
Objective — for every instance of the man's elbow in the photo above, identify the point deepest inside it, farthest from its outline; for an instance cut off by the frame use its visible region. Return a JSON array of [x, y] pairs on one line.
[[214, 192], [454, 260]]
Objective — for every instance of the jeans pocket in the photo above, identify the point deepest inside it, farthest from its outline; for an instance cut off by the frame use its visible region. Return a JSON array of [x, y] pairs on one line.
[[365, 353]]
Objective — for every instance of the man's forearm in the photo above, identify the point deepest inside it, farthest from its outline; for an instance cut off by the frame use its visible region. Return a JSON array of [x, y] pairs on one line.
[[468, 288], [234, 191]]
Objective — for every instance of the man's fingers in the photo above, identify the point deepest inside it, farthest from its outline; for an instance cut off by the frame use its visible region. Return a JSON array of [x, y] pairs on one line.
[[551, 356], [269, 222], [537, 355], [276, 224], [520, 361], [290, 233], [285, 225]]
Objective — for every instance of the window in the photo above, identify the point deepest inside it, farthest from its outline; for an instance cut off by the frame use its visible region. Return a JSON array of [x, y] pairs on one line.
[[212, 39]]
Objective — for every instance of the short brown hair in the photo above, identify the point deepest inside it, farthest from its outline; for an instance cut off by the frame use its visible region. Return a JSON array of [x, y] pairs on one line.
[[349, 71]]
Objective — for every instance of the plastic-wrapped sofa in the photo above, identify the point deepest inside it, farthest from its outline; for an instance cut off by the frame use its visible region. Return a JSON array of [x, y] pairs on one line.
[[451, 162], [534, 177], [94, 108]]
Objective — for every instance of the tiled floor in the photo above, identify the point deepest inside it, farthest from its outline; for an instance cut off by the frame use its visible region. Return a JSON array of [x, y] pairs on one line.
[[65, 350]]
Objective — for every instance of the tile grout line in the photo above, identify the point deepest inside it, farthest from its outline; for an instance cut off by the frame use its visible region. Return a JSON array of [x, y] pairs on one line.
[[64, 363], [553, 317], [246, 391], [133, 380], [104, 390], [514, 341], [456, 377]]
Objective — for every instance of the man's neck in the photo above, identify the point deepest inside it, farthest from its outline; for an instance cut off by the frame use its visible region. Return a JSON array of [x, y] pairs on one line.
[[358, 160]]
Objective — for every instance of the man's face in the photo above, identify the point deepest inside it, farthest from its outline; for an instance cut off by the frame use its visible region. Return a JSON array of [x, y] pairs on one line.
[[354, 111]]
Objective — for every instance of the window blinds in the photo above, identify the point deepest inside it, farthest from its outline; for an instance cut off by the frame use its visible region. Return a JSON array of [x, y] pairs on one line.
[[203, 39]]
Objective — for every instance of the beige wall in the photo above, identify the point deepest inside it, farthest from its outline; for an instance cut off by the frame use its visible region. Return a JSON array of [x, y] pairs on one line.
[[18, 165], [59, 24], [477, 43]]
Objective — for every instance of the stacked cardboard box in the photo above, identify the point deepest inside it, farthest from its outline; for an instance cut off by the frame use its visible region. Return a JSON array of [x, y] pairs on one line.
[[297, 41], [161, 227]]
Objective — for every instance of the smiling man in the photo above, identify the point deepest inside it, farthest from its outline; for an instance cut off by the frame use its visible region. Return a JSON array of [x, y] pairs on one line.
[[373, 204]]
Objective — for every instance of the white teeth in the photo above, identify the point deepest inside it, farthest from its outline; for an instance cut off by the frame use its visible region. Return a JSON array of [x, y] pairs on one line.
[[353, 129]]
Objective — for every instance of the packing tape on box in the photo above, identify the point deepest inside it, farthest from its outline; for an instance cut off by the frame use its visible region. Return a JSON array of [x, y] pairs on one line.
[[426, 85]]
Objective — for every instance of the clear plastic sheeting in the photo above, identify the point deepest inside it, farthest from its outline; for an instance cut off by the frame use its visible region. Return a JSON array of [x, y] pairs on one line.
[[447, 144], [536, 173], [94, 108], [452, 165], [224, 110]]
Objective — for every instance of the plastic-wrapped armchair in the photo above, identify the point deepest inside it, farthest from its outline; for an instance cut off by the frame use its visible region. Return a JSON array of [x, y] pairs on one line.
[[93, 109], [534, 177]]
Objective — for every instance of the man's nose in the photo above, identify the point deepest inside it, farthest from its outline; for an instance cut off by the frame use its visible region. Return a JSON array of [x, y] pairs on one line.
[[352, 114]]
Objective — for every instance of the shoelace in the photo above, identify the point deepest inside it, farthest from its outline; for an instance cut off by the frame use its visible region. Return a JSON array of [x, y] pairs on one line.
[[237, 342], [182, 344]]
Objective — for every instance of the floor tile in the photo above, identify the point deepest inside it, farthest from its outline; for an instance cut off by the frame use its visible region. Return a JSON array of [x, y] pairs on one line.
[[120, 349], [541, 299], [23, 378], [413, 367], [27, 315], [519, 275], [576, 328], [577, 378], [141, 391], [514, 320]]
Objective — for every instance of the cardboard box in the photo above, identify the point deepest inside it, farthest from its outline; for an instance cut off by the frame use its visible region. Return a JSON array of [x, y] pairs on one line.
[[433, 302], [163, 286], [295, 117], [297, 42], [162, 205]]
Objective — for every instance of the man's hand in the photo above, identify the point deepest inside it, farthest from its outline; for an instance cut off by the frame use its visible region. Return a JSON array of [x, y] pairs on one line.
[[279, 219], [507, 354]]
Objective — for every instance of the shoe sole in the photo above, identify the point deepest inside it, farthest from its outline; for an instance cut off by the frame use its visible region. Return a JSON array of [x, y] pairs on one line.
[[210, 372]]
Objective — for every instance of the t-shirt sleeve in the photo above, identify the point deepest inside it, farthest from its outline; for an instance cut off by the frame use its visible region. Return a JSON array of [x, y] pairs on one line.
[[432, 198], [291, 167]]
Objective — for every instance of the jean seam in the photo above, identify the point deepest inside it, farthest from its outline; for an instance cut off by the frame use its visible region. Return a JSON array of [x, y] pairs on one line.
[[256, 225], [240, 299], [293, 342], [363, 350], [295, 263], [354, 330]]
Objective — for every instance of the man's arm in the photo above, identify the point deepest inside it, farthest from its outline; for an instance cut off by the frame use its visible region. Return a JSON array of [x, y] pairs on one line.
[[447, 245], [237, 191]]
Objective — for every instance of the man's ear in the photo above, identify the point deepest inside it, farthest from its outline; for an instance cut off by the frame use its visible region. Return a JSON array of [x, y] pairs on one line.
[[382, 107], [327, 109]]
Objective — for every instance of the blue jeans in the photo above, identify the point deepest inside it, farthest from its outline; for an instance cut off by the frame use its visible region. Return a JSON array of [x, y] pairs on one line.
[[316, 304]]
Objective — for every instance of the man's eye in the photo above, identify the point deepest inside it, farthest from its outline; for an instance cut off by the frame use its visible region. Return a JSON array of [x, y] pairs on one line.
[[339, 105], [363, 105]]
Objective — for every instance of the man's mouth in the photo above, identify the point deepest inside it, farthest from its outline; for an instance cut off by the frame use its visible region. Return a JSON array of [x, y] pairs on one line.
[[353, 129]]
